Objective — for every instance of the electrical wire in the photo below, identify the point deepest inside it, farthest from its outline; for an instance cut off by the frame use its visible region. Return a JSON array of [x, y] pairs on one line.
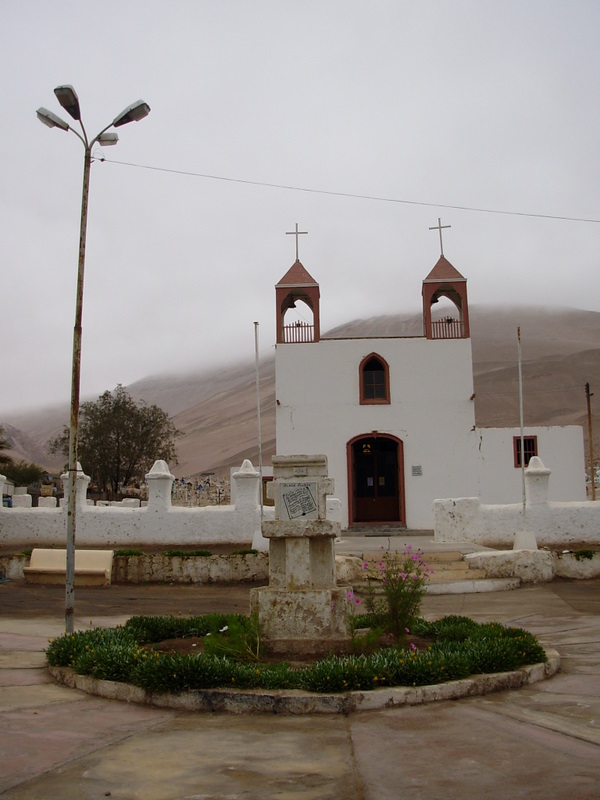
[[350, 195]]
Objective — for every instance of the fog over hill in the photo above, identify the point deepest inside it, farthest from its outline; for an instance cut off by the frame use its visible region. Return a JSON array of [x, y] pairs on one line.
[[216, 409]]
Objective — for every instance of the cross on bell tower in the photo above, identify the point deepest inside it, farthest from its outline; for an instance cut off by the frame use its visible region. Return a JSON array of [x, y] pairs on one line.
[[296, 233], [439, 227]]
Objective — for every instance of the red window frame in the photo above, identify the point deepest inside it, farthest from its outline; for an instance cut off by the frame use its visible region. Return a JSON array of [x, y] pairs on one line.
[[367, 389], [531, 449]]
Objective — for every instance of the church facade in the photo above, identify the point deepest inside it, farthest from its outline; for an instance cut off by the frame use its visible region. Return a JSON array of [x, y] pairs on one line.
[[395, 416]]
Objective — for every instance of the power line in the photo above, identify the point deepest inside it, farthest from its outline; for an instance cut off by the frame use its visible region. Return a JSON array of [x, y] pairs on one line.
[[344, 194]]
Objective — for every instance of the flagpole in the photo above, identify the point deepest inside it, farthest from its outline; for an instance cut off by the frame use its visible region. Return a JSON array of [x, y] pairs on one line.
[[521, 416], [260, 465]]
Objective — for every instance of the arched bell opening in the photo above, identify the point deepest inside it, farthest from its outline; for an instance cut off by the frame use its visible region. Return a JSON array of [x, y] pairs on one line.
[[447, 319], [445, 306], [297, 319], [297, 297]]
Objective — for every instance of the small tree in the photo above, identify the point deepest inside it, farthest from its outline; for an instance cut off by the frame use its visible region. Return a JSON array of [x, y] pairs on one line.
[[119, 439], [4, 445], [22, 473], [402, 578]]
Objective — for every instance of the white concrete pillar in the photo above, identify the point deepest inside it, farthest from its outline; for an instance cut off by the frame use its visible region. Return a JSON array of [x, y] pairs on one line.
[[82, 481], [536, 483], [160, 481], [245, 488], [247, 481]]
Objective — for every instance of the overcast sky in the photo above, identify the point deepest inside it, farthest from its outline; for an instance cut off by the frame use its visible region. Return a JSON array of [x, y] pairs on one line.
[[436, 104]]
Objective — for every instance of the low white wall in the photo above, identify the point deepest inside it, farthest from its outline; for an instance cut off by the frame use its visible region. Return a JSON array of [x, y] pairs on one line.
[[535, 566], [466, 519], [156, 524]]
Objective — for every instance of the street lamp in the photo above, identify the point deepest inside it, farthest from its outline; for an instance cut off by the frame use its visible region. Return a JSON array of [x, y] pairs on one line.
[[67, 97]]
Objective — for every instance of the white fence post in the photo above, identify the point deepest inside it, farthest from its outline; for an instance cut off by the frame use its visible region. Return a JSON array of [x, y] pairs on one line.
[[159, 480], [537, 477], [81, 487]]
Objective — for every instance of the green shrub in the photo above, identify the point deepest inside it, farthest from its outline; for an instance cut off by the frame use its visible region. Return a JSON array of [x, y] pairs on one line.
[[249, 551], [231, 649], [367, 643], [187, 553], [110, 660], [453, 629], [179, 673], [431, 666], [128, 553], [66, 649], [238, 640], [156, 629], [338, 674], [275, 676]]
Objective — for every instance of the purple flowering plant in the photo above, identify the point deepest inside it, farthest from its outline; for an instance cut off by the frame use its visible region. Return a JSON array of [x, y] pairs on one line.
[[395, 594]]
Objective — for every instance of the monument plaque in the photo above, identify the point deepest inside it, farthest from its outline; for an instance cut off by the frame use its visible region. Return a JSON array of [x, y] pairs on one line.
[[299, 500]]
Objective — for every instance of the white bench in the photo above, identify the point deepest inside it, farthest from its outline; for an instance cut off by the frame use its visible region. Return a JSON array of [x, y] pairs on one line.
[[92, 567]]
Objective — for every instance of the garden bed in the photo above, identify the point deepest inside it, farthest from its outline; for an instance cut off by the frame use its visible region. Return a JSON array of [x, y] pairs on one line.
[[454, 657]]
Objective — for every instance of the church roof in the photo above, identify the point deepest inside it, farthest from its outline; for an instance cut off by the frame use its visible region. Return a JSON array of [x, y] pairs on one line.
[[297, 275], [444, 271]]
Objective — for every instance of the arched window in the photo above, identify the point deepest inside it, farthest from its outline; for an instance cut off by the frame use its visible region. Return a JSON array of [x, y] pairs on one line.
[[374, 377]]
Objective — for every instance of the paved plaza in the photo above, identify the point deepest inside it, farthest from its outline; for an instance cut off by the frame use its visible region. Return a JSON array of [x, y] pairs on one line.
[[541, 741]]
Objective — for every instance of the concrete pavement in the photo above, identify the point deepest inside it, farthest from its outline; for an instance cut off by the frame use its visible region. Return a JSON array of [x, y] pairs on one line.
[[542, 741]]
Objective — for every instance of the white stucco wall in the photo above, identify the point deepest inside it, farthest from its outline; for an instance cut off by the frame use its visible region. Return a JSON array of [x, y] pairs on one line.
[[560, 447], [431, 412], [318, 411], [466, 519], [156, 524]]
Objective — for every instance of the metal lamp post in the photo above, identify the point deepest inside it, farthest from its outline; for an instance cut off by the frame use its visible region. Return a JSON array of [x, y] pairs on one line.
[[67, 97]]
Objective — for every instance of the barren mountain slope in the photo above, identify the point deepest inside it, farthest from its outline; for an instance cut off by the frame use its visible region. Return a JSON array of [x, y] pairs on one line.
[[216, 409]]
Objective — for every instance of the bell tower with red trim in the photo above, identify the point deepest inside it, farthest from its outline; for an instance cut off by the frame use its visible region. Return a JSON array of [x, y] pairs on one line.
[[297, 285], [446, 281]]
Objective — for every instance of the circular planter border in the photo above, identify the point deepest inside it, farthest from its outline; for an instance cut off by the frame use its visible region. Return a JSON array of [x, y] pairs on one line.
[[296, 702]]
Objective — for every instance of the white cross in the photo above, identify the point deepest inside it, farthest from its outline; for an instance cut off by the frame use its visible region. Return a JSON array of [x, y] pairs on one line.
[[439, 228], [296, 233]]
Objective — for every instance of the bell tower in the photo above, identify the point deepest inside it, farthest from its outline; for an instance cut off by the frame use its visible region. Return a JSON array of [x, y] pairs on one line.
[[297, 285], [446, 281]]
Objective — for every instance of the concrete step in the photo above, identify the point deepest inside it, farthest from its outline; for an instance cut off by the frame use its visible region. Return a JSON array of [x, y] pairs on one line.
[[451, 575], [467, 586], [385, 531], [447, 576], [442, 556], [447, 566], [471, 587]]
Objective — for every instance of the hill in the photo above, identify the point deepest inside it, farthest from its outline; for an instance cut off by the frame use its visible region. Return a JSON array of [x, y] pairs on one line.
[[216, 409]]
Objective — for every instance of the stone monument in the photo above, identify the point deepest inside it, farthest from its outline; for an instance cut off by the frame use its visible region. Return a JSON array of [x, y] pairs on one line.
[[302, 611]]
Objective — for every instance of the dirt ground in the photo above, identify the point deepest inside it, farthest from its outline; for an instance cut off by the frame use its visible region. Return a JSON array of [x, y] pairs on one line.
[[19, 599]]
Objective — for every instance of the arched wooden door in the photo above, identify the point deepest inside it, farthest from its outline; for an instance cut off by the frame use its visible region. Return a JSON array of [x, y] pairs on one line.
[[376, 472]]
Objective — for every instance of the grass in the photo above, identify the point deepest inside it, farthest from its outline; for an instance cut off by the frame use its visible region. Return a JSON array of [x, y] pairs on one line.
[[581, 554], [459, 648]]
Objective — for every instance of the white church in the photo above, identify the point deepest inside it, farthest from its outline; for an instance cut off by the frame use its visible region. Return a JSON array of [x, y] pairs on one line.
[[395, 416]]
